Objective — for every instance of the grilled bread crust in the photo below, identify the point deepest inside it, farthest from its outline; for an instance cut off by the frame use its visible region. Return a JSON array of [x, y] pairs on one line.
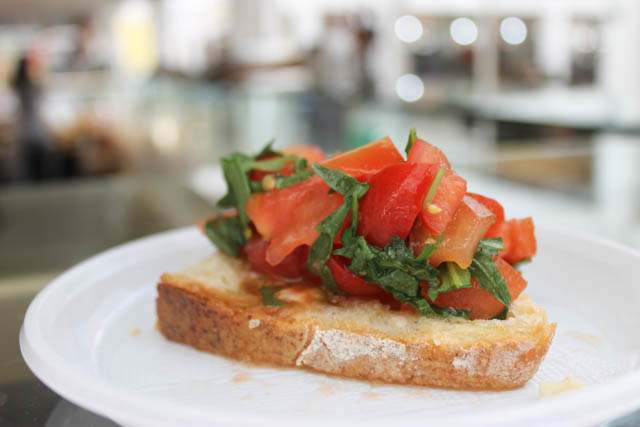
[[209, 308]]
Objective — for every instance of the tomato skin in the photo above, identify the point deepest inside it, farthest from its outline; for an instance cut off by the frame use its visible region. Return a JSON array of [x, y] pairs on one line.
[[393, 201], [312, 153], [292, 266], [522, 240], [448, 197], [423, 152], [461, 237], [366, 160], [481, 303], [495, 207], [288, 217], [350, 282]]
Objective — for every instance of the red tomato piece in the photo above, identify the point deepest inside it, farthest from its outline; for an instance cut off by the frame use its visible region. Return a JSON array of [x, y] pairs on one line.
[[502, 230], [288, 217], [350, 282], [461, 237], [393, 201], [423, 152], [522, 240], [366, 160], [438, 213], [481, 303], [292, 266], [312, 153], [494, 207]]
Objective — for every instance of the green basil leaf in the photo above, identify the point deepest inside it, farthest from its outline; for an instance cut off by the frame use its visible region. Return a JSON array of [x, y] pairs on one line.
[[485, 271], [238, 182], [453, 277], [269, 297], [268, 150], [491, 246], [428, 250], [285, 181], [226, 233], [411, 140]]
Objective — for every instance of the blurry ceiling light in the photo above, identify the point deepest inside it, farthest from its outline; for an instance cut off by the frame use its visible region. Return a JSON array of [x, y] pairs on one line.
[[408, 28], [409, 87], [463, 31], [513, 30], [165, 134]]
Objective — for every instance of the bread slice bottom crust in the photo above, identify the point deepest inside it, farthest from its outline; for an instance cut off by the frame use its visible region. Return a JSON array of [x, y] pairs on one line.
[[206, 308]]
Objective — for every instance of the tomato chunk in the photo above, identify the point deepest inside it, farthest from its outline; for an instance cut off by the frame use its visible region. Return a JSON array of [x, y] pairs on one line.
[[366, 160], [522, 240], [481, 303], [494, 207], [502, 230], [393, 201], [436, 214], [312, 153], [350, 282], [461, 237], [292, 267], [288, 217], [423, 152]]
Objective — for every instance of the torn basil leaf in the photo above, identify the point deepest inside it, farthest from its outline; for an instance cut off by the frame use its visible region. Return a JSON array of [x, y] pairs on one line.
[[485, 271], [226, 233]]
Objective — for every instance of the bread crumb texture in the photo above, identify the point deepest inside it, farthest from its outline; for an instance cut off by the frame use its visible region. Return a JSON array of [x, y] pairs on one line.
[[206, 307]]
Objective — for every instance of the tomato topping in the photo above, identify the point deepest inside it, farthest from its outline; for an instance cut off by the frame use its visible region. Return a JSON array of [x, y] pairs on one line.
[[366, 160], [350, 282], [502, 230], [494, 207], [288, 217], [393, 201], [437, 213], [423, 152], [522, 240], [481, 303], [461, 237], [291, 268], [312, 153]]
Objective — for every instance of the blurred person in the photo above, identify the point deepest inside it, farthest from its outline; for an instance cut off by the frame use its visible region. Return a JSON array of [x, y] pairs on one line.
[[36, 158]]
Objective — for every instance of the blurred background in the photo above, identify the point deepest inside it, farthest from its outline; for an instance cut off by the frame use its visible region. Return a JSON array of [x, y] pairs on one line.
[[113, 115]]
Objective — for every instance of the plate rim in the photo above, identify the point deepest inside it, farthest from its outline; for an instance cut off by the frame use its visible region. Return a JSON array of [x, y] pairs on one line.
[[131, 408]]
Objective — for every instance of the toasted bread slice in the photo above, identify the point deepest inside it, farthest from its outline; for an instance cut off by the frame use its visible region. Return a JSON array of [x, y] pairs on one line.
[[215, 306]]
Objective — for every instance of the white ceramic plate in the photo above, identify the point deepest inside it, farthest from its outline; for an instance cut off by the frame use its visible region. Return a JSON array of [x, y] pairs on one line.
[[91, 337]]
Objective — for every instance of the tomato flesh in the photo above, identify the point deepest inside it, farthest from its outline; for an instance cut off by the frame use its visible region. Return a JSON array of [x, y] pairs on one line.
[[522, 240], [366, 160], [350, 282], [481, 303], [423, 152], [436, 214], [393, 201], [461, 237], [312, 153], [292, 267], [288, 217], [494, 207]]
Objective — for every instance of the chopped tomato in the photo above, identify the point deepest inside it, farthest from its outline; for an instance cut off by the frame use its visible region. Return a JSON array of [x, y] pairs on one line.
[[522, 240], [288, 217], [435, 215], [292, 266], [481, 303], [502, 230], [461, 237], [494, 207], [350, 282], [366, 160], [423, 152], [312, 153], [393, 201]]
